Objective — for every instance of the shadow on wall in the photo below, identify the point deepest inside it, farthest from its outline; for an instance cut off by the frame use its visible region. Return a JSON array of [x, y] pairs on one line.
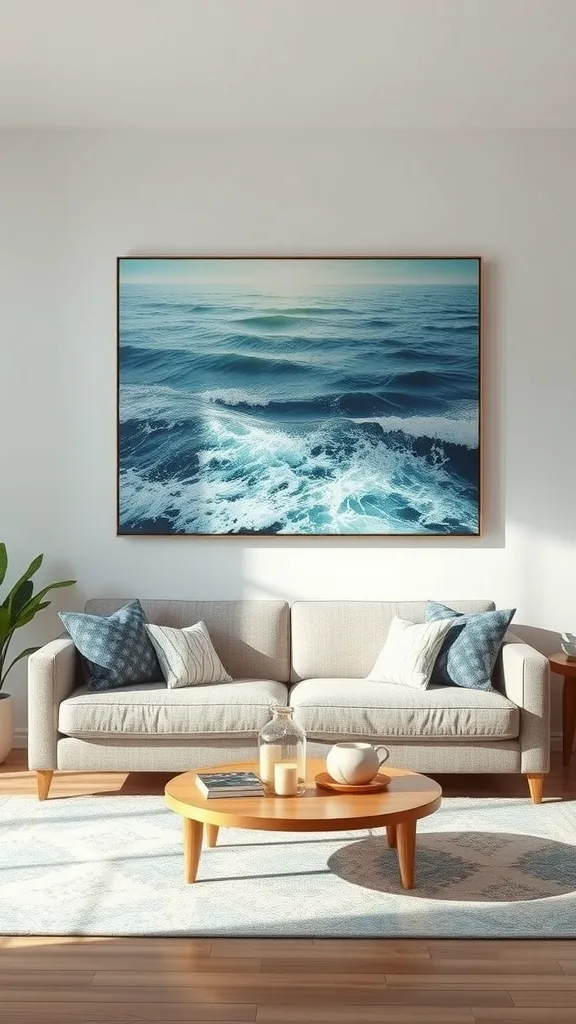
[[544, 640], [541, 422]]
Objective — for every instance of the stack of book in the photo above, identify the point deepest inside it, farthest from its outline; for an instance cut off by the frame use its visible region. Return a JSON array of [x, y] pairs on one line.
[[214, 784]]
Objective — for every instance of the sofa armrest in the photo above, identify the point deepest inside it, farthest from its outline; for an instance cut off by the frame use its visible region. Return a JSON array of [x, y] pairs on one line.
[[51, 678], [526, 682]]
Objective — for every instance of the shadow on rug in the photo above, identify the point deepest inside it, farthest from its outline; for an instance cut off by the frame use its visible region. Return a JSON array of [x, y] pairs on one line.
[[489, 867]]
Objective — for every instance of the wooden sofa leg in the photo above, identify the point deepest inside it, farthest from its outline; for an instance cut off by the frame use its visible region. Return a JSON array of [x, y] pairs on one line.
[[536, 784], [43, 781]]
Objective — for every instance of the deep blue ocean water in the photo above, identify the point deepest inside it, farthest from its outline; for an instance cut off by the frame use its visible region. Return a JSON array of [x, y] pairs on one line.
[[346, 412]]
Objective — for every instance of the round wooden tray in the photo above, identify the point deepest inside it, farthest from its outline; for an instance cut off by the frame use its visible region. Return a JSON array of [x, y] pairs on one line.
[[377, 784]]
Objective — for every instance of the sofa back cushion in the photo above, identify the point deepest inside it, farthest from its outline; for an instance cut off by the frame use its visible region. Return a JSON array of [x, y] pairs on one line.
[[344, 638], [252, 638]]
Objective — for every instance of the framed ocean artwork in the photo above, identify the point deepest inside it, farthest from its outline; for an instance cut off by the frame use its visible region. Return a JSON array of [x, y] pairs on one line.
[[299, 396]]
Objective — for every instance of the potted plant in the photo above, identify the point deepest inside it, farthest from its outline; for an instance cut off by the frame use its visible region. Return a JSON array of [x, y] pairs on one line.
[[18, 608]]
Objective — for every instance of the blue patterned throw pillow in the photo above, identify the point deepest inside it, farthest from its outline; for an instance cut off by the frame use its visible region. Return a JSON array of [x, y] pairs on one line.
[[469, 652], [116, 648]]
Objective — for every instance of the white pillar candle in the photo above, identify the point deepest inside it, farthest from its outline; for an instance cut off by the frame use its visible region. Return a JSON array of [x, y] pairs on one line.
[[270, 754], [286, 778]]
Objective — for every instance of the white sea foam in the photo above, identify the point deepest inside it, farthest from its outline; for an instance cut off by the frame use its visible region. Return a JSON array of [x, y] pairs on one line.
[[151, 400], [455, 430], [161, 402], [156, 401], [252, 478]]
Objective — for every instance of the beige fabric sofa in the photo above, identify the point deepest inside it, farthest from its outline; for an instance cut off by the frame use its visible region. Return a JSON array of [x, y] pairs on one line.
[[314, 656]]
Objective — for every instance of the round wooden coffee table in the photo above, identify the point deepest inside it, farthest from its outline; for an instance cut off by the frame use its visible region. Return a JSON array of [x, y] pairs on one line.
[[408, 798]]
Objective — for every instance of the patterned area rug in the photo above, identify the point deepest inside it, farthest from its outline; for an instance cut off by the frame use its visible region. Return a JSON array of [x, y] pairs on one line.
[[113, 865]]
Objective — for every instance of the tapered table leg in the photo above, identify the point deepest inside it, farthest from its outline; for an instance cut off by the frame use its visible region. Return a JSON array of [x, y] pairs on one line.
[[391, 835], [406, 842], [211, 835], [192, 847]]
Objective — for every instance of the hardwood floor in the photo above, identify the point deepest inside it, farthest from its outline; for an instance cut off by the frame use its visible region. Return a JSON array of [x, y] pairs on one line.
[[276, 981]]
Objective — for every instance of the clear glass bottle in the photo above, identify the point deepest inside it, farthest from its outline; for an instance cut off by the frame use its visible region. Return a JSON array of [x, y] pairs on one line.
[[282, 742]]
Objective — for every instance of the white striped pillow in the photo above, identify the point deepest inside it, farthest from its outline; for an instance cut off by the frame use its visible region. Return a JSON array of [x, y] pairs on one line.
[[410, 652], [186, 656]]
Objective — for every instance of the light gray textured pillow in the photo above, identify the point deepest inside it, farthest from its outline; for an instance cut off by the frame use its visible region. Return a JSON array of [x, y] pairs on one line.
[[409, 653], [186, 656]]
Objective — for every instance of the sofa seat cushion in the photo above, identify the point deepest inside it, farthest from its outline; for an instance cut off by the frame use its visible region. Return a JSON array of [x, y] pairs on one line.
[[362, 708], [239, 708]]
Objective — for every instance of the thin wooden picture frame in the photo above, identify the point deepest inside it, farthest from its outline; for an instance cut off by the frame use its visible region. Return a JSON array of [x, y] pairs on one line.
[[462, 339]]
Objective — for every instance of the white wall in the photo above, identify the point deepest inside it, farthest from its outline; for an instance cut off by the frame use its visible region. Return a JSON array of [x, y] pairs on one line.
[[69, 203]]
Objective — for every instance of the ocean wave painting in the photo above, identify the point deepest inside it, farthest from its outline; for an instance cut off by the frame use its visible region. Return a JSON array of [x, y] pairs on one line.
[[299, 396]]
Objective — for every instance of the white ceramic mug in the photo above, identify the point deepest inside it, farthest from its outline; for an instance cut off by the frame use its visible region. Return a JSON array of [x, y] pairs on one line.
[[355, 764]]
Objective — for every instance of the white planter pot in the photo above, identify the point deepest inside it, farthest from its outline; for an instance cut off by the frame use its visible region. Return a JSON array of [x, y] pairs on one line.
[[6, 725]]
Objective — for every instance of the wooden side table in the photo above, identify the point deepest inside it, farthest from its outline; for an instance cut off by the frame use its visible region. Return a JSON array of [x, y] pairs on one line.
[[561, 664]]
